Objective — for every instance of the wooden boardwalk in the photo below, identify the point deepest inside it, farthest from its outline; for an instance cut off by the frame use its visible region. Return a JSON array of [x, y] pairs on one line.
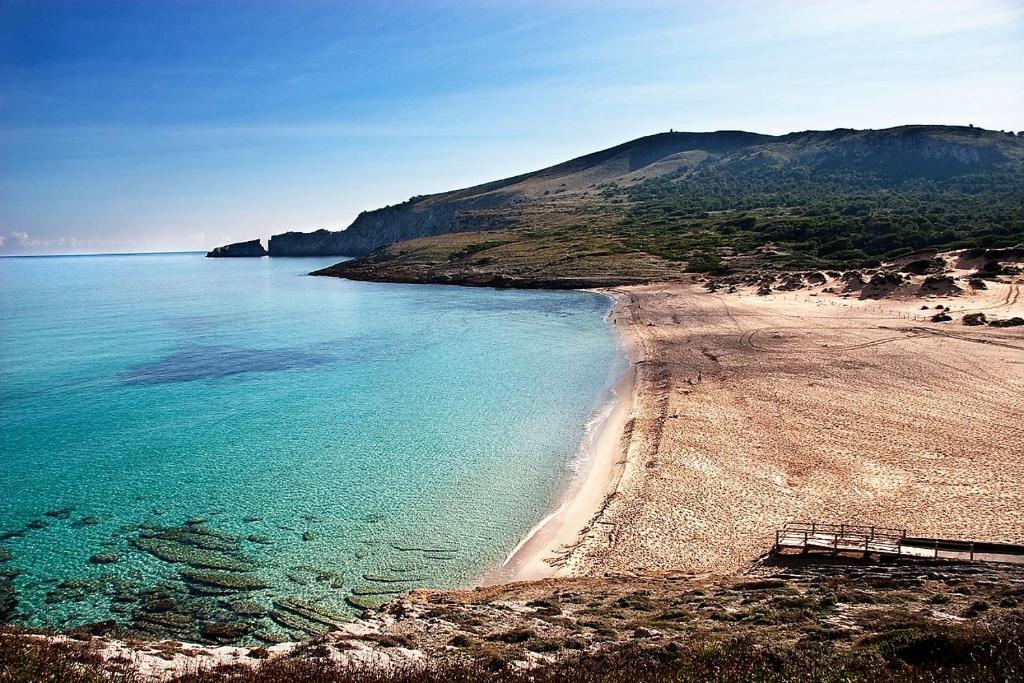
[[836, 539], [839, 538]]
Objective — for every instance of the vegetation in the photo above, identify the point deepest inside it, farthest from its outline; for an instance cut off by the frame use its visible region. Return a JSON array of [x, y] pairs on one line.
[[722, 202], [800, 619], [819, 218], [952, 653]]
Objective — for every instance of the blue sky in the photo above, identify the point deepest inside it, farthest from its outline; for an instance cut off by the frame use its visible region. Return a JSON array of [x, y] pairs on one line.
[[141, 126]]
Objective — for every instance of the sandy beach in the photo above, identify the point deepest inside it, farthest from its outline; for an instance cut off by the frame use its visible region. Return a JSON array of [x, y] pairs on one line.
[[749, 411]]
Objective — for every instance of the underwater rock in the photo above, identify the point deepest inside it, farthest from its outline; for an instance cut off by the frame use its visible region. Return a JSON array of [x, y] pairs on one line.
[[105, 558], [62, 513], [308, 535], [294, 622], [163, 623], [366, 603], [259, 538], [315, 613], [71, 590], [271, 637], [369, 591], [88, 520], [17, 533], [433, 551], [296, 577], [158, 601], [208, 539], [223, 633], [176, 553], [249, 519], [226, 581], [248, 608], [36, 524], [8, 596], [197, 547], [328, 576], [380, 578], [5, 555]]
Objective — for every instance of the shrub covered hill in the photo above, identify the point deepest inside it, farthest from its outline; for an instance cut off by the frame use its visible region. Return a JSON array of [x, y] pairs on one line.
[[673, 202]]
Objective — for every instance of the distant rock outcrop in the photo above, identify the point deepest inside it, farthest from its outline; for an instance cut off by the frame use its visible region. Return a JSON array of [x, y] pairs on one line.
[[250, 248]]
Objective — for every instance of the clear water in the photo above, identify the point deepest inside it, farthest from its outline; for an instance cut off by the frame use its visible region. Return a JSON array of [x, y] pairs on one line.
[[374, 430]]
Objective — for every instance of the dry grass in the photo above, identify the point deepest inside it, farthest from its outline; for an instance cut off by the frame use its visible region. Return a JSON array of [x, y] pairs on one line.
[[940, 654]]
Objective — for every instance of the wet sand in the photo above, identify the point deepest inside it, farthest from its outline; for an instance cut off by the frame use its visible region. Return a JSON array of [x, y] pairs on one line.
[[749, 411], [546, 549]]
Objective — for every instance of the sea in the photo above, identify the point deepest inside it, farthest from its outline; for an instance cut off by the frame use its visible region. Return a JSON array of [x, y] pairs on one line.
[[233, 451]]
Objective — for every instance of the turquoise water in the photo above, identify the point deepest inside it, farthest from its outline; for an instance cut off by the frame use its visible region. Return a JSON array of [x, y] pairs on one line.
[[328, 440]]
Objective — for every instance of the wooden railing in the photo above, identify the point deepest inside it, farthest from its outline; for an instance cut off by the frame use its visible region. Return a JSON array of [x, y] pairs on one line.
[[810, 537], [839, 537]]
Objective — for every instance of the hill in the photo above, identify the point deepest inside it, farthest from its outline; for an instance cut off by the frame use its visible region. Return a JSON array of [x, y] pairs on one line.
[[709, 202], [702, 202]]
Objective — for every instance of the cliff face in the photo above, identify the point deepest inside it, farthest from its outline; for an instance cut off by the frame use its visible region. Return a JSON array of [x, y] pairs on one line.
[[250, 248], [422, 217]]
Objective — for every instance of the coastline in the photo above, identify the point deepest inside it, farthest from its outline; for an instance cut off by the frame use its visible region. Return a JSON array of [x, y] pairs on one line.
[[736, 414], [545, 549]]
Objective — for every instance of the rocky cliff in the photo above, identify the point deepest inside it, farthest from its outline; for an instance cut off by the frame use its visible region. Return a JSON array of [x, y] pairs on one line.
[[250, 248], [409, 220]]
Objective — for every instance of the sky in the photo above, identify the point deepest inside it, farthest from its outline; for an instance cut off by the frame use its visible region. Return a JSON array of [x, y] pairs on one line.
[[174, 125]]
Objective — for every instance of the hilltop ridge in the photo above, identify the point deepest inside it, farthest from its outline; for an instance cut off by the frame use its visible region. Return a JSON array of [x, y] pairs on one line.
[[674, 202]]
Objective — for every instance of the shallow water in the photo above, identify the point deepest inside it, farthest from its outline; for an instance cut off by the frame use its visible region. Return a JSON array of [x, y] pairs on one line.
[[330, 437]]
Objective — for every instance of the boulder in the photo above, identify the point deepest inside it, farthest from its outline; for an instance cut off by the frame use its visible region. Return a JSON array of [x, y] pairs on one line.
[[924, 266], [816, 278], [940, 284], [974, 319]]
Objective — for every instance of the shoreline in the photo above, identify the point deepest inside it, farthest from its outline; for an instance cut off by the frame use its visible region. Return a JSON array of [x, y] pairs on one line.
[[545, 549]]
